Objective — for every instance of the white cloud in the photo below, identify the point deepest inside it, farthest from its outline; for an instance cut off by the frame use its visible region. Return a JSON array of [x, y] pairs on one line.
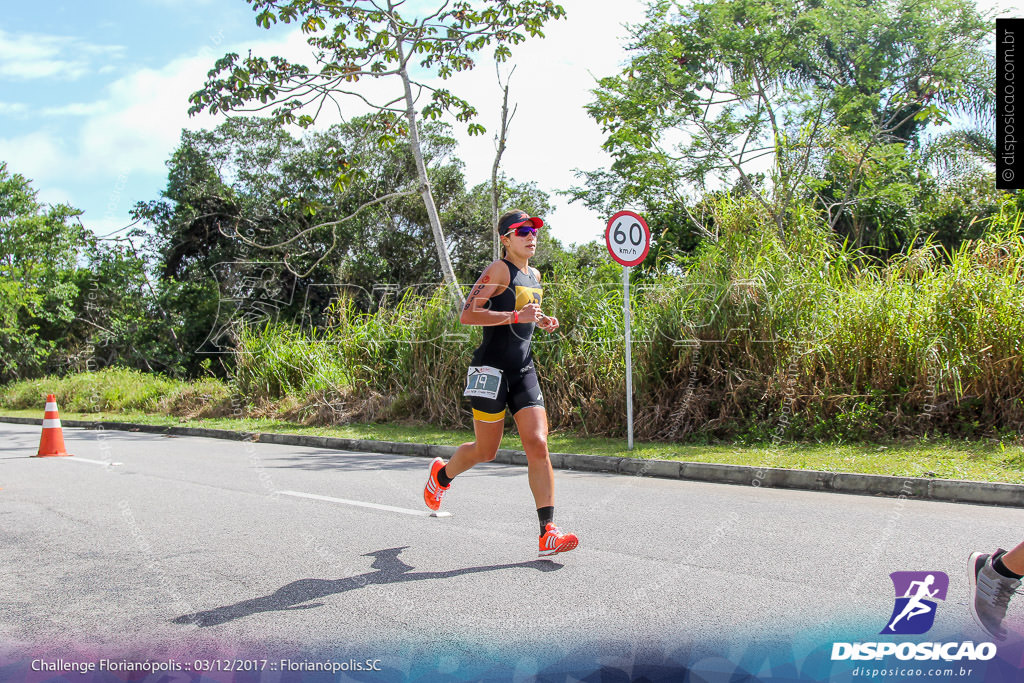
[[139, 122], [55, 195], [31, 56], [7, 108], [132, 129], [75, 109], [36, 155]]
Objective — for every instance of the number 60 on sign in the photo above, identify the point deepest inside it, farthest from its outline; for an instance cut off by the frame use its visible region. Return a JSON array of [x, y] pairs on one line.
[[628, 238]]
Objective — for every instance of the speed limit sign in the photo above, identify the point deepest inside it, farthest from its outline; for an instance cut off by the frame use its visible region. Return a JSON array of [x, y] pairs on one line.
[[628, 238]]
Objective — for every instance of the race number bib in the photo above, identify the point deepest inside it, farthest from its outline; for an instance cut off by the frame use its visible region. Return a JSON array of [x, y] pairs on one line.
[[483, 381]]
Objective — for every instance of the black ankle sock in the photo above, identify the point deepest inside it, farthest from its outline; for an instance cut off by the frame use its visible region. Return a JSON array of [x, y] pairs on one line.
[[442, 477], [545, 515], [1001, 569]]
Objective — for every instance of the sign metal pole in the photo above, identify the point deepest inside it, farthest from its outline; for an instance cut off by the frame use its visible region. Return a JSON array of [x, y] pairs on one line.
[[628, 239], [629, 358]]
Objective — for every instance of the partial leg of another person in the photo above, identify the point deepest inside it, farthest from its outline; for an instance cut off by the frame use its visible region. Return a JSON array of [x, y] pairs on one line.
[[993, 579]]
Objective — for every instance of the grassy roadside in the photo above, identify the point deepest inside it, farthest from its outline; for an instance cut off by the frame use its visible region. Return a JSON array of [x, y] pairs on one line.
[[948, 459]]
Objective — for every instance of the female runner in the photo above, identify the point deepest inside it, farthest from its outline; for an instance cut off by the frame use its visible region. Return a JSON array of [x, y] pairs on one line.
[[506, 302]]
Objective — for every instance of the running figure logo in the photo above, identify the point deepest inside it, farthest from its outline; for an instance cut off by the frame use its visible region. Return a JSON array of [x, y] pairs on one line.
[[916, 593]]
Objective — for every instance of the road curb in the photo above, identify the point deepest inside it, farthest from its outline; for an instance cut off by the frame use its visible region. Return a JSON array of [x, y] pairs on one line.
[[915, 488]]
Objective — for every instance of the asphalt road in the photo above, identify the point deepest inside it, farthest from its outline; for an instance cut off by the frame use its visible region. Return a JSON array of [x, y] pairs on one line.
[[189, 547]]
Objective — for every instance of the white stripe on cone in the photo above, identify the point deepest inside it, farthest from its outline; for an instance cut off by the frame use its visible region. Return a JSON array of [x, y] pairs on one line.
[[51, 407], [50, 424]]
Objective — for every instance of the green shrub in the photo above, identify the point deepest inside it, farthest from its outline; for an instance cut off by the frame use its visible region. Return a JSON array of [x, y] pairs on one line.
[[120, 390]]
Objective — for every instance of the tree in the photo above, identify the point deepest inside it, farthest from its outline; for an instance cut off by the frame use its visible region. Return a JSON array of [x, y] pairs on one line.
[[118, 318], [237, 235], [356, 39], [70, 301], [718, 95], [39, 248]]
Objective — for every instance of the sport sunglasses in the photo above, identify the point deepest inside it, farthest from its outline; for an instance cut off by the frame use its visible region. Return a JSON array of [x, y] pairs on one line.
[[525, 228]]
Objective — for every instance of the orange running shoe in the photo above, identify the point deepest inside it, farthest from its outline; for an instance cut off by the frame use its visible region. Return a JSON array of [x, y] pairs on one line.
[[554, 541], [433, 492]]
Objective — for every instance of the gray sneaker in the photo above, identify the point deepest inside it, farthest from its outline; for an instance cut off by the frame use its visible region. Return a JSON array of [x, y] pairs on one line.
[[990, 593]]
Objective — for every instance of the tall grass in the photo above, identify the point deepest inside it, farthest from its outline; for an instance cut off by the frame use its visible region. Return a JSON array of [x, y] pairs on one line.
[[405, 361], [929, 342]]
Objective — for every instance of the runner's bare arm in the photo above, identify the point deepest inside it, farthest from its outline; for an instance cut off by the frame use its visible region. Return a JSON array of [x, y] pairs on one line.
[[492, 281]]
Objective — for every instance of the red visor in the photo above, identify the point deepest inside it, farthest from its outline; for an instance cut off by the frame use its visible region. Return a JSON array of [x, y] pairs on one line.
[[535, 222]]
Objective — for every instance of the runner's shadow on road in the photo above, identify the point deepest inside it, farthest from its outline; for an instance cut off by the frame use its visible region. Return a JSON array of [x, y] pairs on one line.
[[390, 569]]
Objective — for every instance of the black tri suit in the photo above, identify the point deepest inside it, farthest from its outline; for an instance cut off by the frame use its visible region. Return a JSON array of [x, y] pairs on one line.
[[502, 373]]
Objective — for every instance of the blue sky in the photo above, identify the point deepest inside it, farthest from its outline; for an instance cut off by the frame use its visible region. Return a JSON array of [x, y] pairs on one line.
[[93, 97]]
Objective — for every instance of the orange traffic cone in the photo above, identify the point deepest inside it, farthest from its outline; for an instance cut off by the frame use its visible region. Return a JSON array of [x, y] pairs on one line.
[[52, 442]]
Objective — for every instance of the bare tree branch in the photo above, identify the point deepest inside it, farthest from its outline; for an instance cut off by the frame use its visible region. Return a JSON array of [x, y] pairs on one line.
[[501, 137]]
